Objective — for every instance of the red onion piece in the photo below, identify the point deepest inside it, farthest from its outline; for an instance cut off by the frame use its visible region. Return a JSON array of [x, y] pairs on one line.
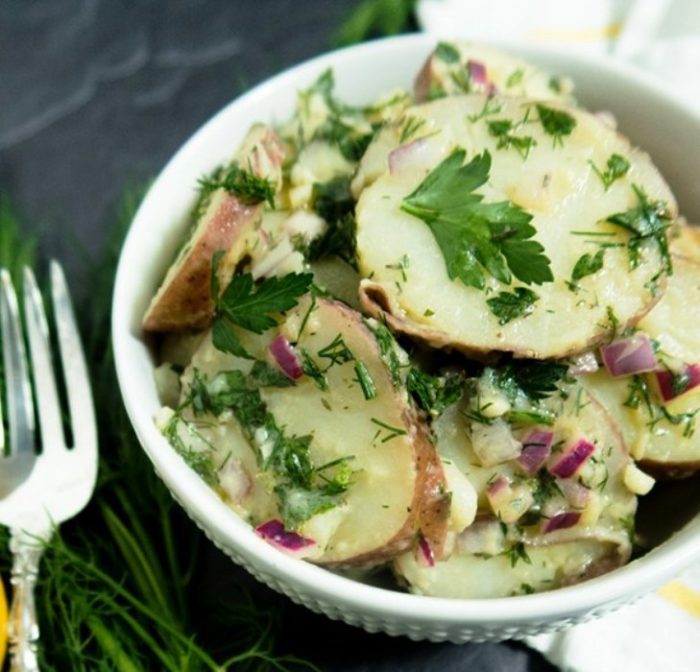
[[286, 358], [425, 552], [629, 356], [274, 532], [666, 381], [572, 458], [537, 446], [477, 72], [417, 154], [576, 494], [561, 521], [586, 363], [497, 486]]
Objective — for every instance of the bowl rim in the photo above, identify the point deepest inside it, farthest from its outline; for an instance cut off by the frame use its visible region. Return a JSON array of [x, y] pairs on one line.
[[237, 537]]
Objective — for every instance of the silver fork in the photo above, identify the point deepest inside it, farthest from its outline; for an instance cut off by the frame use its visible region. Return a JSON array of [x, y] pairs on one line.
[[38, 492]]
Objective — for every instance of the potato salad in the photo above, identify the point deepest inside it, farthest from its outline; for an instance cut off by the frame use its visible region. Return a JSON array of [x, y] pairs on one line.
[[451, 333]]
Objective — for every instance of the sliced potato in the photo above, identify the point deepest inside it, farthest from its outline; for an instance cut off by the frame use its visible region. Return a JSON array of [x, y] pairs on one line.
[[406, 278], [397, 486], [491, 558], [685, 242], [448, 72], [224, 223], [663, 437]]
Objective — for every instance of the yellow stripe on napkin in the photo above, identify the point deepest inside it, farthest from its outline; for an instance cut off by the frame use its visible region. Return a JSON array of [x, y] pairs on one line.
[[682, 596]]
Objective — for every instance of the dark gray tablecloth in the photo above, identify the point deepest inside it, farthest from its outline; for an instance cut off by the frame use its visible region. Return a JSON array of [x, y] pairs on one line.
[[96, 95]]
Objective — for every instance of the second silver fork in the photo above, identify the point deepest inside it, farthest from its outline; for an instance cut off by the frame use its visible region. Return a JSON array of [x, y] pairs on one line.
[[46, 489]]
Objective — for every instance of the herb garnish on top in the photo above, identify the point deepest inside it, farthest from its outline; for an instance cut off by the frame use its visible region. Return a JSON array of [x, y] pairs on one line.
[[475, 236]]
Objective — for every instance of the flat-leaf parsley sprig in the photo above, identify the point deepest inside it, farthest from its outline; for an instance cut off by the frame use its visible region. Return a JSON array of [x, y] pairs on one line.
[[251, 306], [475, 236]]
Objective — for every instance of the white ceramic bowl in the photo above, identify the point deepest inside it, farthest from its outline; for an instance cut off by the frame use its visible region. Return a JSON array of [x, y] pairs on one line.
[[647, 113]]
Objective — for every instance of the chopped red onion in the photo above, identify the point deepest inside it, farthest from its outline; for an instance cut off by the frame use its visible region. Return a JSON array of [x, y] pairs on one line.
[[497, 486], [586, 363], [561, 521], [576, 494], [572, 458], [669, 381], [629, 355], [274, 532], [537, 446], [477, 72], [425, 552], [286, 358], [417, 154]]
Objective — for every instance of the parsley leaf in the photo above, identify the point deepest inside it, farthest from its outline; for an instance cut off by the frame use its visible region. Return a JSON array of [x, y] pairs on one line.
[[647, 222], [475, 236], [506, 306], [616, 167], [556, 123], [536, 380], [587, 264], [248, 306], [244, 185], [447, 52]]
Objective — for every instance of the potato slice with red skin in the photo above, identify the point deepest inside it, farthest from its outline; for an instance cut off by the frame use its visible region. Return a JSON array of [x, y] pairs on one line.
[[447, 72], [662, 447], [397, 490], [598, 543], [183, 301], [406, 276]]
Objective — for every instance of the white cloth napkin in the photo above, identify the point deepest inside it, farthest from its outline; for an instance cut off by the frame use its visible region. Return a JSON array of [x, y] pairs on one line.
[[660, 36], [661, 631]]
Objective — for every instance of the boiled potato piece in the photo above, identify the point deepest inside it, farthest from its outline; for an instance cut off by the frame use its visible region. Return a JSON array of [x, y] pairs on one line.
[[223, 223], [685, 242], [459, 67], [663, 437], [406, 276], [396, 487], [496, 556]]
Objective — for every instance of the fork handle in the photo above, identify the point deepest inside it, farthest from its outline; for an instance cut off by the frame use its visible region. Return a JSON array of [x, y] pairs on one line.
[[23, 628]]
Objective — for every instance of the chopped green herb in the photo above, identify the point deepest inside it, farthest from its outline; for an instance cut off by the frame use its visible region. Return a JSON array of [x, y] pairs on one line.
[[335, 203], [311, 369], [363, 377], [473, 236], [245, 186], [491, 107], [434, 393], [410, 128], [515, 78], [616, 168], [264, 375], [428, 313], [447, 52], [555, 84], [556, 123], [401, 265], [246, 305], [504, 130], [336, 352], [537, 380], [388, 349], [647, 223], [392, 432], [507, 307], [517, 552], [586, 265]]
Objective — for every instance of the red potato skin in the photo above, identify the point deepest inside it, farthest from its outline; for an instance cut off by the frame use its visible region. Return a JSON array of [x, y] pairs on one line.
[[186, 302], [423, 81], [430, 507]]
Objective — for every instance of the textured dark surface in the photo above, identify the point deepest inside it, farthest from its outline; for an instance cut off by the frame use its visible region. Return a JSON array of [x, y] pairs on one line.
[[96, 95]]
